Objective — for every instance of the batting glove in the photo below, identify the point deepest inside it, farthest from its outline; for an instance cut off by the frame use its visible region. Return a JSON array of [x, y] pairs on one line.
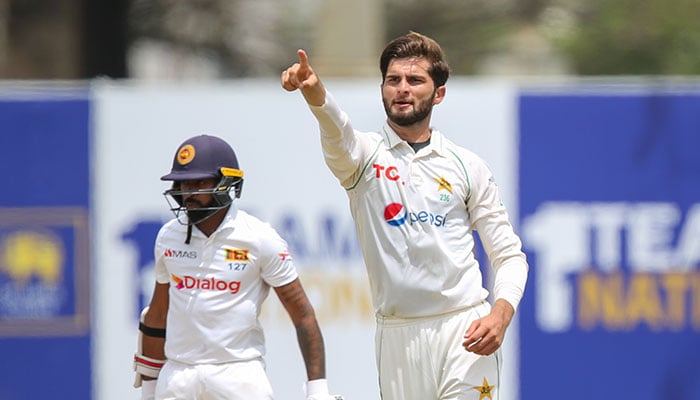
[[148, 389]]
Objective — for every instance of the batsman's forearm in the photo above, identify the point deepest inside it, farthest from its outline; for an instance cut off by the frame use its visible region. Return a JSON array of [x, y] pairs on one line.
[[312, 349], [154, 347]]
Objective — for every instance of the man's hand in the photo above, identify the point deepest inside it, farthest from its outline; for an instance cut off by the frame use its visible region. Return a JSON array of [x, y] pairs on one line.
[[485, 335], [296, 76], [301, 76]]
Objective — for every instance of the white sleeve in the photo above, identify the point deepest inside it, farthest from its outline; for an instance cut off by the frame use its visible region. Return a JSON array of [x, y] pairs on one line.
[[501, 243], [277, 266], [510, 282], [343, 150], [161, 272]]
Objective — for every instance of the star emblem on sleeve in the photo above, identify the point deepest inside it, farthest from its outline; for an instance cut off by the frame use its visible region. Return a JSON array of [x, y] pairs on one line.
[[485, 390]]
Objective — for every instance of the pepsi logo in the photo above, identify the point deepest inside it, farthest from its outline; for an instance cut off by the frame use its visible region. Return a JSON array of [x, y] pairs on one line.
[[395, 214]]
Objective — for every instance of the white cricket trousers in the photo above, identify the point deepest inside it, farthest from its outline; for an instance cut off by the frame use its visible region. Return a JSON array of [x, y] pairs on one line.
[[244, 380], [423, 358]]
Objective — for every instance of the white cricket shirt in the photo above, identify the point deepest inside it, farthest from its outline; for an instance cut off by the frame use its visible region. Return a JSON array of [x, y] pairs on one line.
[[217, 286], [415, 213]]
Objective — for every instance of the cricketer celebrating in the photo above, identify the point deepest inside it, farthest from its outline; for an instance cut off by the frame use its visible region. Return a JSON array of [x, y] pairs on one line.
[[416, 198]]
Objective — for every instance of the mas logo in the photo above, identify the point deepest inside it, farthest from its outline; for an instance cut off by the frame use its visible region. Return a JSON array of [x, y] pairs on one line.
[[170, 253]]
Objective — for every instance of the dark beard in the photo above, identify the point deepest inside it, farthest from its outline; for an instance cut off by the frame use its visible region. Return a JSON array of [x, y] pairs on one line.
[[406, 119], [196, 216]]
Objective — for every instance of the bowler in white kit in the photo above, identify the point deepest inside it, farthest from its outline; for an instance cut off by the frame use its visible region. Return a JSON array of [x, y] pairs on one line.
[[417, 198]]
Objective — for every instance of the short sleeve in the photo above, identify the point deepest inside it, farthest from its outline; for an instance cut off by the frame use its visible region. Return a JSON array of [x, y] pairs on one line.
[[277, 265]]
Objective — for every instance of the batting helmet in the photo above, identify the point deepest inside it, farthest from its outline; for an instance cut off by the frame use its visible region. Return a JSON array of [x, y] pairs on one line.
[[203, 157]]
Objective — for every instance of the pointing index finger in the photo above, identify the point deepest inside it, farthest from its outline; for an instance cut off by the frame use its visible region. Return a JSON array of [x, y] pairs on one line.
[[303, 58]]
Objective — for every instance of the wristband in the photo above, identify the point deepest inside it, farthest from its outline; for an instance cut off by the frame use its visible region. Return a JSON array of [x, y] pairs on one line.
[[153, 332], [317, 386]]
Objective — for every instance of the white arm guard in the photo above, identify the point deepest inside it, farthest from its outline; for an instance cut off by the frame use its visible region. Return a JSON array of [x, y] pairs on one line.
[[145, 366], [318, 390]]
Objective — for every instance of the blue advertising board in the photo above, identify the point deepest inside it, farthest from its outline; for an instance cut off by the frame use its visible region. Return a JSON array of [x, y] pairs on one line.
[[610, 219], [44, 247]]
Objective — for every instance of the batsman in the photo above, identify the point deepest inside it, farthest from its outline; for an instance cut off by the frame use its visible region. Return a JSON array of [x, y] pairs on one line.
[[201, 338]]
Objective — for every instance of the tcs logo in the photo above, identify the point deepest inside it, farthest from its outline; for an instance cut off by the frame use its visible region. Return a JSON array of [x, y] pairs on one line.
[[395, 214], [391, 173]]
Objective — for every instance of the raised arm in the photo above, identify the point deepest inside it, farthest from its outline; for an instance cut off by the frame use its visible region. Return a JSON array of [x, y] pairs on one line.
[[301, 76], [344, 150]]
